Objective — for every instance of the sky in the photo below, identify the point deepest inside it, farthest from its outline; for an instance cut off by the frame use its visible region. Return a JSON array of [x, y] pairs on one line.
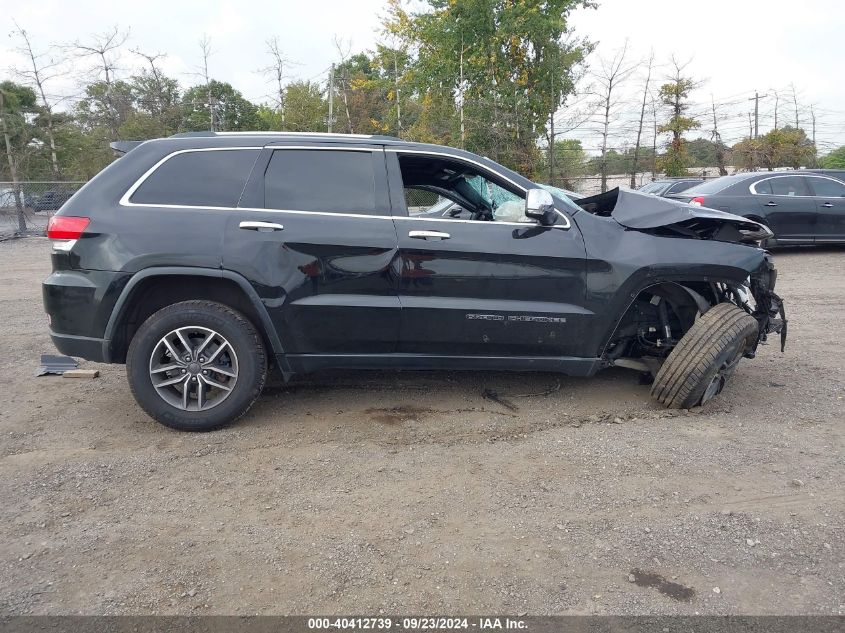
[[733, 47]]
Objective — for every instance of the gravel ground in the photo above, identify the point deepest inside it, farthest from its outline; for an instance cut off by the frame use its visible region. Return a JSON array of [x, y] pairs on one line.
[[410, 492]]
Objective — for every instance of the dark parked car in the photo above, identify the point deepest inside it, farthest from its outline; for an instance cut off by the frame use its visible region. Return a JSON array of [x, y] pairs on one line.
[[799, 207], [50, 200], [669, 186], [199, 260]]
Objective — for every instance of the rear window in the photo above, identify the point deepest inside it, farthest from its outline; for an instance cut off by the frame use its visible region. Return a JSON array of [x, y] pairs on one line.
[[333, 181], [652, 187], [716, 185], [210, 178], [682, 186]]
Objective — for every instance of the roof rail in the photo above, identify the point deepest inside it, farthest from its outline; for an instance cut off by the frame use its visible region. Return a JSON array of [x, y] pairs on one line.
[[380, 137]]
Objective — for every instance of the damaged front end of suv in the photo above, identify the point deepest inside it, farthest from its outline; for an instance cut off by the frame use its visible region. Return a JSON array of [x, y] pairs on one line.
[[700, 291]]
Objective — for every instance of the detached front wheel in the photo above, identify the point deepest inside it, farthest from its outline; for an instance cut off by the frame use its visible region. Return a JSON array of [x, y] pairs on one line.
[[196, 365], [705, 358]]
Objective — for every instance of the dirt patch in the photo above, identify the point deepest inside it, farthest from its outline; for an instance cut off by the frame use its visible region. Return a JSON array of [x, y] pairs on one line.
[[362, 492], [674, 590]]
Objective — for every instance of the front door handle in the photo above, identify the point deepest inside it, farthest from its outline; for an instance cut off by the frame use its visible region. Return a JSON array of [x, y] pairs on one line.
[[428, 235], [828, 205], [264, 227], [771, 204]]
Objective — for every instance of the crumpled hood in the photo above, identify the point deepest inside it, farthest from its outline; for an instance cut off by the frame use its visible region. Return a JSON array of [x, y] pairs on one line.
[[636, 210]]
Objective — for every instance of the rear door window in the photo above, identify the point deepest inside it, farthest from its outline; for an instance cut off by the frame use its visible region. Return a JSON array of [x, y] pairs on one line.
[[789, 186], [201, 178], [333, 181]]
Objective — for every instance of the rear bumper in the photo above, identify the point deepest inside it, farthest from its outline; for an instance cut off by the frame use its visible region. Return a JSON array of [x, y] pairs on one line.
[[80, 346], [79, 304]]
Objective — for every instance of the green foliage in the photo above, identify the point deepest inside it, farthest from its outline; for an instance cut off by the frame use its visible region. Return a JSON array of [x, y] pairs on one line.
[[232, 113], [785, 147], [569, 163], [675, 96], [509, 63], [19, 106], [306, 109], [834, 160], [702, 152]]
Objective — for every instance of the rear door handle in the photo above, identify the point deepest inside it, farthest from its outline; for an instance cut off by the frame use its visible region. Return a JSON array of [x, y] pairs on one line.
[[827, 205], [428, 235], [264, 227], [771, 204]]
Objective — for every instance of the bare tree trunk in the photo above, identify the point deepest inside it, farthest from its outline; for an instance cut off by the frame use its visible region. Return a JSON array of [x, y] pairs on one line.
[[205, 48], [642, 118], [604, 144], [654, 142], [612, 73], [717, 141]]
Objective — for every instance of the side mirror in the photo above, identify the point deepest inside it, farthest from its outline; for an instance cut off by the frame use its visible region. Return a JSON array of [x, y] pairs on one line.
[[540, 206]]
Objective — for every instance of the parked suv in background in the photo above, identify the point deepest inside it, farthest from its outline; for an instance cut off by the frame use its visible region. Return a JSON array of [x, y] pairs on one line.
[[800, 207], [198, 260]]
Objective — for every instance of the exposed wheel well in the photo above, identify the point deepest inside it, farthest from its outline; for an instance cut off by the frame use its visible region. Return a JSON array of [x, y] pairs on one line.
[[154, 293], [643, 326]]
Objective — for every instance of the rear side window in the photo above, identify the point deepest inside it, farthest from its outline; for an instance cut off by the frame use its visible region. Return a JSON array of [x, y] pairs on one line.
[[334, 181], [682, 186], [716, 185], [789, 186], [764, 187], [213, 178]]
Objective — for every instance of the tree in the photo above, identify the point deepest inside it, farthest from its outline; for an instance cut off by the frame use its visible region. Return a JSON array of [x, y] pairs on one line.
[[568, 164], [784, 147], [306, 108], [834, 160], [231, 111], [675, 96], [635, 161], [276, 74], [490, 67], [41, 71], [16, 102], [156, 99], [609, 77], [104, 48]]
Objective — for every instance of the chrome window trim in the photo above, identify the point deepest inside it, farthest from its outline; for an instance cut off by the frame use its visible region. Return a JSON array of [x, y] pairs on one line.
[[399, 150], [753, 190], [125, 199]]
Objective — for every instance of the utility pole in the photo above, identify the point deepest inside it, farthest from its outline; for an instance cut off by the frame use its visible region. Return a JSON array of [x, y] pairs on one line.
[[750, 127], [331, 97], [717, 141], [756, 99]]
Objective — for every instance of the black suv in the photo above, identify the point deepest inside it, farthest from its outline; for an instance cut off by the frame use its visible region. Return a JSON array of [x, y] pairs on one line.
[[201, 259]]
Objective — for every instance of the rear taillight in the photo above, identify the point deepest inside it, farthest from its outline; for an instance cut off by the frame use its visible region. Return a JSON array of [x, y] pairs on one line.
[[64, 230], [698, 201]]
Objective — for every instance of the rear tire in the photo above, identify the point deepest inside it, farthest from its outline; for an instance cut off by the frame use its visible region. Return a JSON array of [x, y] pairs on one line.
[[196, 365], [705, 358]]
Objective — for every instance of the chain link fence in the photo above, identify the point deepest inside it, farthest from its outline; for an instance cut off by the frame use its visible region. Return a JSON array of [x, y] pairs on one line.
[[26, 207]]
